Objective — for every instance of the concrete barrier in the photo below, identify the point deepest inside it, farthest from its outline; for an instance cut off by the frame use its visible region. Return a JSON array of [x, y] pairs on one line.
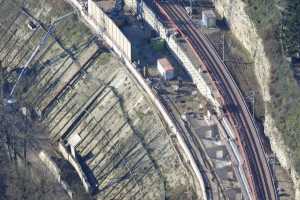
[[172, 126], [204, 85], [201, 80], [132, 68], [54, 169], [108, 26], [229, 138], [67, 156]]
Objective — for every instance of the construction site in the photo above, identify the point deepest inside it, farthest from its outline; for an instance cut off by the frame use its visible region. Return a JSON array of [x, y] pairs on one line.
[[92, 75]]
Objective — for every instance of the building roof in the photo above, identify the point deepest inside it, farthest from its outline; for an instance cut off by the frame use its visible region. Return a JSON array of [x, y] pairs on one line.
[[165, 63], [208, 13], [74, 139]]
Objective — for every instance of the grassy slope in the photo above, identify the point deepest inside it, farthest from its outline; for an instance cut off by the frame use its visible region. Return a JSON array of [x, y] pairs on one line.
[[285, 104], [241, 66], [14, 183]]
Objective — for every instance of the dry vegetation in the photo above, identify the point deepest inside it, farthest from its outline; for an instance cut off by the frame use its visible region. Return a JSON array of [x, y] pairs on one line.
[[19, 135], [278, 23]]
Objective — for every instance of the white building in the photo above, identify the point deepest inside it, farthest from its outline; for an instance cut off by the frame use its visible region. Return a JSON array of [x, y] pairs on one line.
[[165, 68], [208, 18]]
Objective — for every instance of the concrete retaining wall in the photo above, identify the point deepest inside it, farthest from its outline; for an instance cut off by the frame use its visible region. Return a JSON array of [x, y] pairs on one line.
[[132, 68], [110, 28], [76, 166], [200, 79], [54, 169], [172, 126]]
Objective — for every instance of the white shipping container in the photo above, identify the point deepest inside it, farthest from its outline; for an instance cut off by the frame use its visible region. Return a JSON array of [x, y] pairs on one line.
[[208, 19], [165, 68]]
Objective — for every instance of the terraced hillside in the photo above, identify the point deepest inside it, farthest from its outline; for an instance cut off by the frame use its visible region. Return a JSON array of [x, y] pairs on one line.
[[90, 103], [123, 144]]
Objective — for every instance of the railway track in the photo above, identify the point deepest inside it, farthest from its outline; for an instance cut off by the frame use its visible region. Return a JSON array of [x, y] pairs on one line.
[[260, 178], [198, 155]]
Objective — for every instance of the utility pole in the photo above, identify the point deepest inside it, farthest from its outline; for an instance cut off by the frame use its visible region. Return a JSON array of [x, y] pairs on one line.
[[251, 98], [1, 82], [223, 48], [273, 162], [253, 104]]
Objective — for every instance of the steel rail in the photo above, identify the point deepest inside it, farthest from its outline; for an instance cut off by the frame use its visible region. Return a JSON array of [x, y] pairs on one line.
[[211, 78], [247, 127], [204, 160], [200, 42], [201, 162], [245, 118], [221, 87]]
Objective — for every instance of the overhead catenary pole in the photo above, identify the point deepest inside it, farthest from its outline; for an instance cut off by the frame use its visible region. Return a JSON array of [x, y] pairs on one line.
[[252, 99], [1, 81], [223, 47]]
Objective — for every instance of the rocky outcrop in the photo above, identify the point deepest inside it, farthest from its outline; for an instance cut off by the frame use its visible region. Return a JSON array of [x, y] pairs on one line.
[[244, 29]]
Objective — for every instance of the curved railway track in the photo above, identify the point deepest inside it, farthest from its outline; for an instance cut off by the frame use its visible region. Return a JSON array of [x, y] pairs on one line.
[[256, 163], [197, 151], [206, 180]]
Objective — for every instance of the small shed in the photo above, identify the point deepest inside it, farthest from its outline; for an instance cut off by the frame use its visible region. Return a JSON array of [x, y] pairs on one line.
[[208, 18], [165, 68]]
